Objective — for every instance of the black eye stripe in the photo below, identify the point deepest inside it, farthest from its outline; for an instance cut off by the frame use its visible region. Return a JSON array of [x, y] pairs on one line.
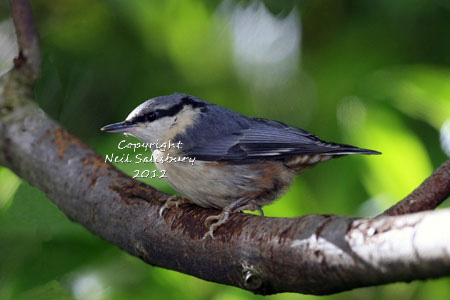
[[151, 116], [169, 112]]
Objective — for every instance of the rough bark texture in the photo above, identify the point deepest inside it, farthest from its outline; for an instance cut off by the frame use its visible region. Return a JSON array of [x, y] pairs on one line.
[[311, 254]]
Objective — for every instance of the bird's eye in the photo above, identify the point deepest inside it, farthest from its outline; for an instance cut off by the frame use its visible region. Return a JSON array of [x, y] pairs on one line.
[[151, 116]]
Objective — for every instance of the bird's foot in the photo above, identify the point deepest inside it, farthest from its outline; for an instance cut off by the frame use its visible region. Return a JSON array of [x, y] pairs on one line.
[[219, 219], [222, 218], [171, 202], [252, 207]]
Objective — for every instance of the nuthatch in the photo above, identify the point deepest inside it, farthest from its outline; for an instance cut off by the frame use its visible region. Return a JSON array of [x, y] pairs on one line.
[[241, 163]]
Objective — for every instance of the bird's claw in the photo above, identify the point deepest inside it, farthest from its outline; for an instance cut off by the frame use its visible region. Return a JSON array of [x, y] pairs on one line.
[[221, 218], [252, 207], [172, 201]]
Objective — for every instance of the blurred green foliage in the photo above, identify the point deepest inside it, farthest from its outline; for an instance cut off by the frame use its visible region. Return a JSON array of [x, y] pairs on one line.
[[370, 73]]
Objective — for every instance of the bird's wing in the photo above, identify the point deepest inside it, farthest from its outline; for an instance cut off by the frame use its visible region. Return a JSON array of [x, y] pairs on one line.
[[266, 139]]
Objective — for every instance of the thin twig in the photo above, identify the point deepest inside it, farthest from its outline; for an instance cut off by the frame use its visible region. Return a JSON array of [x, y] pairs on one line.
[[27, 36], [432, 192]]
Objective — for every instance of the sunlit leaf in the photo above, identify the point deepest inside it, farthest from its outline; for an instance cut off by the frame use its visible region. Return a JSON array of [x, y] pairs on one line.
[[404, 163], [198, 42], [423, 92], [10, 183]]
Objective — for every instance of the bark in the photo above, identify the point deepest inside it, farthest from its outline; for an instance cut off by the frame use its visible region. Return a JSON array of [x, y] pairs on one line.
[[312, 254], [27, 37]]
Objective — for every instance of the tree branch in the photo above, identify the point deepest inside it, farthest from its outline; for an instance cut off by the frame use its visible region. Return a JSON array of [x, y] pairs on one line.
[[432, 192], [27, 37], [312, 254]]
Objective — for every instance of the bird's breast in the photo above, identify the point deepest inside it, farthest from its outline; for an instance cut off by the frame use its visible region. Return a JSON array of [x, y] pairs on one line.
[[218, 184]]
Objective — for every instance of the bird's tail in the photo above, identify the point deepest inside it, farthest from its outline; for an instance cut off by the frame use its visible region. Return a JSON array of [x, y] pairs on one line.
[[343, 149]]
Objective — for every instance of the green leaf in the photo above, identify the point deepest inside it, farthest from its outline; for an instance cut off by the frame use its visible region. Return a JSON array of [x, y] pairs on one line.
[[420, 91], [10, 183], [404, 163], [48, 291]]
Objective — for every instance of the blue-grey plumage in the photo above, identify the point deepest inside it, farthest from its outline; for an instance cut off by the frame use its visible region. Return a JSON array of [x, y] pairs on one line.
[[240, 162], [224, 135]]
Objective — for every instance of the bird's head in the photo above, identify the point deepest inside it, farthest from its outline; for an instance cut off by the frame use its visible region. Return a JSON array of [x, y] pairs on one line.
[[160, 118]]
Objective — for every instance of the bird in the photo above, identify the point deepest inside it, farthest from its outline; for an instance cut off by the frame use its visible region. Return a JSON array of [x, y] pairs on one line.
[[241, 162]]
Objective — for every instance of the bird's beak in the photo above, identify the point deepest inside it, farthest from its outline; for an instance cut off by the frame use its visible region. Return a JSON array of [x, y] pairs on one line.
[[117, 127]]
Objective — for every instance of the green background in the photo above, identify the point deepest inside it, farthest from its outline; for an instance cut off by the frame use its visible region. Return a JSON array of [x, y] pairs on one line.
[[370, 73]]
